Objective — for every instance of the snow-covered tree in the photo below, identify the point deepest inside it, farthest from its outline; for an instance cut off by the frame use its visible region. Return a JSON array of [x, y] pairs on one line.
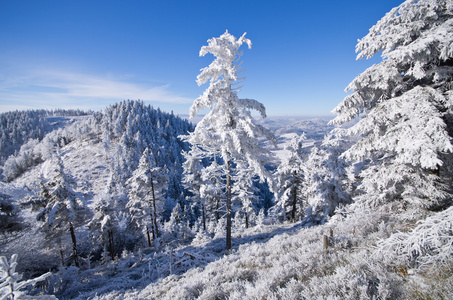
[[104, 224], [290, 180], [405, 105], [244, 193], [10, 284], [212, 189], [63, 211], [228, 129], [192, 181], [326, 177], [146, 183]]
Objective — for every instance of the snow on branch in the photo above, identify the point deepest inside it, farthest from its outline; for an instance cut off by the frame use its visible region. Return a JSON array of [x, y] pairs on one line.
[[10, 285], [430, 243]]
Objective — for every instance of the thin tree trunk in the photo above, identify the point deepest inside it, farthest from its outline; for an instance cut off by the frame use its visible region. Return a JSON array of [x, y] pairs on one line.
[[217, 210], [203, 212], [154, 216], [228, 207], [293, 213], [111, 245], [62, 256], [147, 235], [74, 245], [246, 220]]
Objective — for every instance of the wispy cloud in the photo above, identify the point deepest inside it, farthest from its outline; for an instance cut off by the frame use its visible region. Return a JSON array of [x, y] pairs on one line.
[[50, 89]]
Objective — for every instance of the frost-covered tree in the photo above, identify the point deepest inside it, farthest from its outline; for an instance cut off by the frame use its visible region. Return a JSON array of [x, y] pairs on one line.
[[192, 179], [10, 284], [63, 211], [245, 193], [146, 183], [104, 224], [405, 105], [326, 177], [290, 180], [228, 129], [212, 189]]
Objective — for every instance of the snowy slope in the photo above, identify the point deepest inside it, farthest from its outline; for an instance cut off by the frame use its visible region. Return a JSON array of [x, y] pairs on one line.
[[292, 263], [286, 128]]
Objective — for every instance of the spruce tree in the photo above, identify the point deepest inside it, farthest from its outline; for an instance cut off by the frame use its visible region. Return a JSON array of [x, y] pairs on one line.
[[146, 183], [290, 180], [63, 211], [405, 106], [228, 130]]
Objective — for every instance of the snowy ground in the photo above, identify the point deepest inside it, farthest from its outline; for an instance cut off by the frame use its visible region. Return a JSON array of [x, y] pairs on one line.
[[268, 261], [290, 262]]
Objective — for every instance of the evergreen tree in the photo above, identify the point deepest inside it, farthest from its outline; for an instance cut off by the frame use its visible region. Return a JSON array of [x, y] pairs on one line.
[[326, 177], [63, 211], [290, 181], [192, 180], [405, 104], [146, 183], [245, 193], [228, 130], [104, 224], [212, 189]]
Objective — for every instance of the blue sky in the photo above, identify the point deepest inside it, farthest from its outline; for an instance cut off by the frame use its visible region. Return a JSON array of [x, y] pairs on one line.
[[90, 54]]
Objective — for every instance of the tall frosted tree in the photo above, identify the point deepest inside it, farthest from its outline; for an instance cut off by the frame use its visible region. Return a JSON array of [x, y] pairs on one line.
[[228, 129], [405, 104]]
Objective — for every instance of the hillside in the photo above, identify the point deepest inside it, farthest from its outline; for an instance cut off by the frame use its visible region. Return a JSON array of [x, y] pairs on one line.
[[362, 260], [370, 252], [96, 154]]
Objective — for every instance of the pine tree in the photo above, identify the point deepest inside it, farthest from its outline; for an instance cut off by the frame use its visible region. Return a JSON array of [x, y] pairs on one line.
[[228, 130], [104, 224], [405, 104], [244, 193], [212, 189], [63, 210], [290, 180], [146, 183], [326, 177], [192, 180]]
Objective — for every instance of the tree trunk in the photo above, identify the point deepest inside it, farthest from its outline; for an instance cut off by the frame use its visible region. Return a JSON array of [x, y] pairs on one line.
[[246, 220], [228, 207], [217, 210], [154, 215], [61, 256], [293, 213], [74, 245], [111, 245], [203, 213], [147, 235]]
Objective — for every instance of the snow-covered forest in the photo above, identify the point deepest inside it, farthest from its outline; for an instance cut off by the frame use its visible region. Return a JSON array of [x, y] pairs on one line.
[[136, 203]]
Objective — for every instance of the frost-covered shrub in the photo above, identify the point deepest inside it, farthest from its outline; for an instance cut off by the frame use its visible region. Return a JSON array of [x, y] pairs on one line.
[[10, 284], [428, 244]]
